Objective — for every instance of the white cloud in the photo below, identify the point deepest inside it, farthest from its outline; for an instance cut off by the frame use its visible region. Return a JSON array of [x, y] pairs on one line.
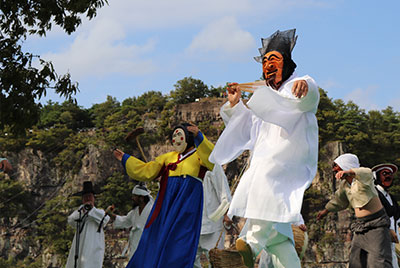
[[395, 103], [364, 98], [100, 47], [102, 51], [223, 37], [156, 14], [161, 14], [328, 84]]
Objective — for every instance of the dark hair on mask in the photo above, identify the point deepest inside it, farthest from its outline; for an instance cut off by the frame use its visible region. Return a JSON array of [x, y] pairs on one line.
[[189, 135]]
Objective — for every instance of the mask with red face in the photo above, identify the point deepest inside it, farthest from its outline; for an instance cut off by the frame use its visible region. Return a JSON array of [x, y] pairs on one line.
[[276, 57], [385, 177], [273, 69]]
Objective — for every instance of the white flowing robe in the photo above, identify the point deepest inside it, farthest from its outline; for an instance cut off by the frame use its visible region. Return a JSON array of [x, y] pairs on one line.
[[217, 198], [91, 243], [282, 133], [137, 222]]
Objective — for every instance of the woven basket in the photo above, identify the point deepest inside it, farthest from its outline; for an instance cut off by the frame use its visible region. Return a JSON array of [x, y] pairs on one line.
[[301, 240], [225, 258], [397, 246]]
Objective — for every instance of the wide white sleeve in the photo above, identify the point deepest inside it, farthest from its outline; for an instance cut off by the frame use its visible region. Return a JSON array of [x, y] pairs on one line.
[[122, 222], [220, 184], [239, 134], [97, 215], [277, 108], [73, 218]]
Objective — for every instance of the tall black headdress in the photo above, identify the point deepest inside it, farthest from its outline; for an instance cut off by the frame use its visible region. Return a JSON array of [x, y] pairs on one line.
[[87, 189], [283, 42]]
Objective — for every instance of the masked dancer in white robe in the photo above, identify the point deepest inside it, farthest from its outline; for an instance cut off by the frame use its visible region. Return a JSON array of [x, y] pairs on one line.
[[91, 222], [280, 128], [217, 198], [135, 219]]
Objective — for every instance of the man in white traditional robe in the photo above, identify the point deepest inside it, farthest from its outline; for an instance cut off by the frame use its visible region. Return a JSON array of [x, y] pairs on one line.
[[135, 219], [279, 126], [217, 198], [90, 235]]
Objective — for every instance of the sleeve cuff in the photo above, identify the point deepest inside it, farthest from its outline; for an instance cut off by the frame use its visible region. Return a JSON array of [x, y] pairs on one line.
[[124, 159], [198, 139], [329, 208]]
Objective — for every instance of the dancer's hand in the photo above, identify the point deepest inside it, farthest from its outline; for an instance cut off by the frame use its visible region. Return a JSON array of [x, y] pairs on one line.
[[110, 212], [118, 154], [322, 214], [300, 88], [227, 222], [234, 93], [110, 209], [345, 174], [194, 129], [303, 227]]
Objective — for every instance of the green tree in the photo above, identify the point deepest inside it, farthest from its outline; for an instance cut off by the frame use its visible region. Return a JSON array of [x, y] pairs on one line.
[[188, 90], [68, 113], [49, 140], [14, 199], [21, 83], [118, 192], [328, 120], [216, 91], [99, 112], [53, 231]]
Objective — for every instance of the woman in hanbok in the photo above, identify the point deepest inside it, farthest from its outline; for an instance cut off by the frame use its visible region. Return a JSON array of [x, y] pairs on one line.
[[172, 231]]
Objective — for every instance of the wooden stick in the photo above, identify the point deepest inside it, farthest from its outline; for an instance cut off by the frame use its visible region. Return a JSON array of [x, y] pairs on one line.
[[243, 88], [249, 87], [140, 148], [255, 83]]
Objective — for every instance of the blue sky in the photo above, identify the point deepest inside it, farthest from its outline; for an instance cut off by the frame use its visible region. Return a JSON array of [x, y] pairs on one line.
[[351, 48]]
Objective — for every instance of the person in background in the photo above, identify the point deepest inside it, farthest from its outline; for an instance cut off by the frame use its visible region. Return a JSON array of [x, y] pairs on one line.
[[135, 219], [217, 197], [87, 249], [371, 244], [172, 231], [383, 174]]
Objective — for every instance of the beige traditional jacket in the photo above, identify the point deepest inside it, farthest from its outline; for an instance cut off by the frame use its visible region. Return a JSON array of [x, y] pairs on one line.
[[356, 195]]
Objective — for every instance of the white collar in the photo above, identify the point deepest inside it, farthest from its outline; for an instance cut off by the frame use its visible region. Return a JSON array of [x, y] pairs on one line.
[[294, 75], [382, 190], [188, 153]]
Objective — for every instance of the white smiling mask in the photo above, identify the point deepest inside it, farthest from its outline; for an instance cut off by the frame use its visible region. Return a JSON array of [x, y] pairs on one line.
[[179, 140]]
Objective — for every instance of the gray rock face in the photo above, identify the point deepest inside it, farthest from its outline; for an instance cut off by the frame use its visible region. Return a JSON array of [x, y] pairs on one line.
[[329, 239]]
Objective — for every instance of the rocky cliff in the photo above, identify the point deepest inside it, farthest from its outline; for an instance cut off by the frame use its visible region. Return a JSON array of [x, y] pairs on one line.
[[329, 239]]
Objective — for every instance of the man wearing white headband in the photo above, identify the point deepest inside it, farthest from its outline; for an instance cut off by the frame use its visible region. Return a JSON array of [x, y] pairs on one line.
[[383, 174], [135, 219], [370, 246]]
